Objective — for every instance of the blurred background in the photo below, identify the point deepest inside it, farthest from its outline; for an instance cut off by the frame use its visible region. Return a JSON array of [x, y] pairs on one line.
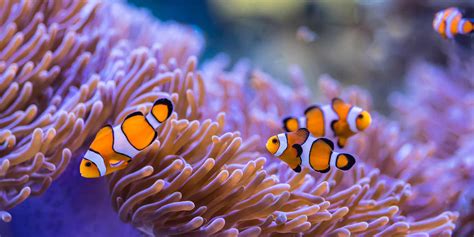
[[365, 42]]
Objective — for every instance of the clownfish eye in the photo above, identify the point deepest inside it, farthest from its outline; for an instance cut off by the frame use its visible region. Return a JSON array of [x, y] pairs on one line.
[[363, 120], [274, 140], [88, 164]]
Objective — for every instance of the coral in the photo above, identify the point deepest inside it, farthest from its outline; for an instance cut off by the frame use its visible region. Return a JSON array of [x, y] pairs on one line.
[[207, 173]]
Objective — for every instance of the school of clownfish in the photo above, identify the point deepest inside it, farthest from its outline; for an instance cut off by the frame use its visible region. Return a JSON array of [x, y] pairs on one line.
[[307, 142]]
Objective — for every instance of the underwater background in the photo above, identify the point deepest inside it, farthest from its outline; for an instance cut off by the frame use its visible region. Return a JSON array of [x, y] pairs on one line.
[[234, 69]]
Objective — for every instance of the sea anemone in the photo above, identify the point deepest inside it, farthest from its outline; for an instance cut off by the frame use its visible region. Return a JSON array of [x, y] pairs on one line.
[[440, 114], [46, 109], [207, 173]]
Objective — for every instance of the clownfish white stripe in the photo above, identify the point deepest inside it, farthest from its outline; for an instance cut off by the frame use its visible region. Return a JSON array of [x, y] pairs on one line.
[[352, 116], [329, 116], [461, 25], [97, 159], [122, 145], [302, 121], [305, 154], [152, 121], [283, 144], [333, 159], [438, 20], [449, 21]]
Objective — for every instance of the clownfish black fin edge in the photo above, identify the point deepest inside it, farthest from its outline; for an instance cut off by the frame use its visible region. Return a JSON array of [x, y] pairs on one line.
[[299, 149], [327, 141], [297, 169], [136, 113], [324, 171], [350, 161], [285, 122], [311, 108], [341, 142], [304, 132], [167, 103]]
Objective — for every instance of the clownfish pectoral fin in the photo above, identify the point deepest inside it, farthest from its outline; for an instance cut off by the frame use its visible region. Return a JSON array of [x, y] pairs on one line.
[[320, 155], [341, 142], [162, 109], [297, 169], [290, 124], [299, 149], [117, 163], [118, 166], [345, 161], [117, 160]]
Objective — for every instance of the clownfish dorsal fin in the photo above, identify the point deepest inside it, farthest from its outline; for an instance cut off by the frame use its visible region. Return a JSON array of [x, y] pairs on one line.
[[300, 136], [338, 105], [104, 131], [103, 139]]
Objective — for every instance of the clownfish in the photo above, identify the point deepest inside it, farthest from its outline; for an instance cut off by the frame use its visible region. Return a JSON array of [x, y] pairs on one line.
[[114, 147], [449, 22], [299, 148], [338, 120]]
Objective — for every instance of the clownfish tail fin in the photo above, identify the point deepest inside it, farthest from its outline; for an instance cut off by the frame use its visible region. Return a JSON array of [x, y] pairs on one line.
[[467, 25], [290, 124], [160, 112], [344, 161]]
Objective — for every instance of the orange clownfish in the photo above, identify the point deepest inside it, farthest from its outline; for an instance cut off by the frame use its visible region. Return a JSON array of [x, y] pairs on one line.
[[113, 148], [338, 120], [449, 22], [299, 148]]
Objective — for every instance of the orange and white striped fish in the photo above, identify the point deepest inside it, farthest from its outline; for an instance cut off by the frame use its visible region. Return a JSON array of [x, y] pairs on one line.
[[338, 120], [450, 22], [114, 147], [299, 149]]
